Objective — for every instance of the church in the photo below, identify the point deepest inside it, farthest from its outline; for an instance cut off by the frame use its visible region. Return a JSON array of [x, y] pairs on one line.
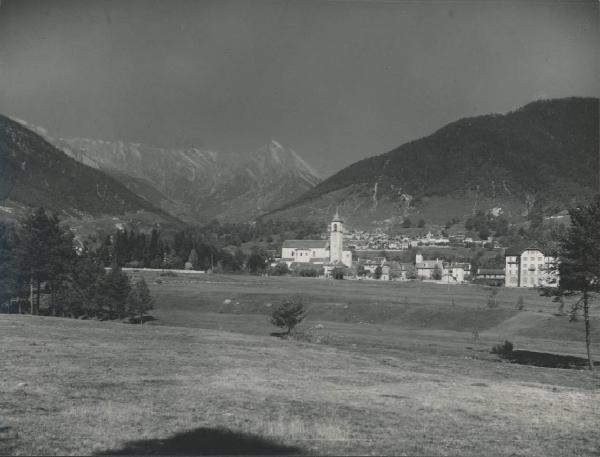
[[323, 253]]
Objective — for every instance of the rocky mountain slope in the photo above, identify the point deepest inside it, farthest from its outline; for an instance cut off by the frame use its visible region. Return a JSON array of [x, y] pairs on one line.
[[35, 173], [545, 154], [198, 185]]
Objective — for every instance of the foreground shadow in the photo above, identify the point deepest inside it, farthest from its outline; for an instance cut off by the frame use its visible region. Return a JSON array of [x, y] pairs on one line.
[[547, 360], [204, 441]]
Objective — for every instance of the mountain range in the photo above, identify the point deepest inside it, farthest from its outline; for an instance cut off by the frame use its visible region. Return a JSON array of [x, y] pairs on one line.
[[544, 154], [198, 185]]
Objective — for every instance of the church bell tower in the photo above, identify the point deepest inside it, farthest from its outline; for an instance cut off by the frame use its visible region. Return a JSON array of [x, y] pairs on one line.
[[336, 239]]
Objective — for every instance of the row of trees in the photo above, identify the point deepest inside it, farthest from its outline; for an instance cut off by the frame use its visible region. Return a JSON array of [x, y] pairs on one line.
[[42, 272], [186, 249]]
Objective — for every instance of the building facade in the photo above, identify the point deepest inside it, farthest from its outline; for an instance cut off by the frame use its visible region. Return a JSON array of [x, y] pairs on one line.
[[528, 267], [326, 253]]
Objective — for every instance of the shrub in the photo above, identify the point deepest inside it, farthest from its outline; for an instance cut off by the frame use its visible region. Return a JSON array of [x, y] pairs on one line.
[[504, 349], [308, 273], [289, 314], [280, 269]]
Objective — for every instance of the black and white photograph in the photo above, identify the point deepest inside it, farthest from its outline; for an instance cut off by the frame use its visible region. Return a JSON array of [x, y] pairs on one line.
[[300, 227]]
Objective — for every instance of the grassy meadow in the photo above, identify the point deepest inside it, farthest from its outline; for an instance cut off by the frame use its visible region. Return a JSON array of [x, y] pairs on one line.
[[376, 368]]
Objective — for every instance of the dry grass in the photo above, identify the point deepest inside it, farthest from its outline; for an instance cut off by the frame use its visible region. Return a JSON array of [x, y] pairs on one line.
[[94, 387]]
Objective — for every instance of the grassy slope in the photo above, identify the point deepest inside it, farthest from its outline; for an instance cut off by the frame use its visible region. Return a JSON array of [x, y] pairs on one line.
[[150, 382], [241, 304]]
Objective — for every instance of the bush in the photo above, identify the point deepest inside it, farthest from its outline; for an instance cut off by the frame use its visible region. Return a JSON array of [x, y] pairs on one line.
[[280, 269], [504, 349], [289, 314], [308, 273]]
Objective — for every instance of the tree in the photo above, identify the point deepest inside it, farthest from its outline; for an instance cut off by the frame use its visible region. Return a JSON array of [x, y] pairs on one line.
[[139, 300], [338, 272], [288, 314], [406, 223], [378, 272], [9, 284], [256, 262], [411, 272], [45, 254], [436, 273], [421, 223], [578, 264], [193, 258], [117, 287]]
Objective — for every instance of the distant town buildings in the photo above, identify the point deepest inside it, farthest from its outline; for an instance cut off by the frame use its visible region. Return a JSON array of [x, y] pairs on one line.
[[529, 267]]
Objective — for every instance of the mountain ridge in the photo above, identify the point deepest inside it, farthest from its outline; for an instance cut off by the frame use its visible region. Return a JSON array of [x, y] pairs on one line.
[[35, 173], [513, 160], [198, 184]]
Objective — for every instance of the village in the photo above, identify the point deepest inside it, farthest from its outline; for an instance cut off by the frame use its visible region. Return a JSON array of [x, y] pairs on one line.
[[363, 255]]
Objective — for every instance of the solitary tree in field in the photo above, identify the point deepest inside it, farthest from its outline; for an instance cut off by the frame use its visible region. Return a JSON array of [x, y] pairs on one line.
[[579, 264], [289, 314]]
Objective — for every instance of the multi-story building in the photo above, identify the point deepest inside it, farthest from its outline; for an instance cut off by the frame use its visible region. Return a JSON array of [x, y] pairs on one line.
[[529, 267]]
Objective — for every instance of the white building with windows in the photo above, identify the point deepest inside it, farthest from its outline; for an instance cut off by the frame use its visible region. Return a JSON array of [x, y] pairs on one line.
[[528, 267], [327, 253]]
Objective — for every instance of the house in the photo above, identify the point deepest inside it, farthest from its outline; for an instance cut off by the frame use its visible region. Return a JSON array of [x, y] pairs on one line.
[[448, 272], [455, 272], [490, 273], [426, 268], [326, 253], [529, 267], [491, 276]]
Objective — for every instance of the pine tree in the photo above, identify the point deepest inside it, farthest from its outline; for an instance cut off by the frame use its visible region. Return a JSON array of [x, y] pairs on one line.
[[579, 264], [116, 286], [45, 254]]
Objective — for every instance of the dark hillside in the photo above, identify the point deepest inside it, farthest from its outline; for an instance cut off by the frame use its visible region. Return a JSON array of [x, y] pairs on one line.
[[35, 173], [544, 150]]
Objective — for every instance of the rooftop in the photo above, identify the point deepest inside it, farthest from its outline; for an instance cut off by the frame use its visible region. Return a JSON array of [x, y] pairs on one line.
[[306, 244]]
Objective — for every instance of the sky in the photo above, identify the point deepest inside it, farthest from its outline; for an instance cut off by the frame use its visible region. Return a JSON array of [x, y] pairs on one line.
[[337, 81]]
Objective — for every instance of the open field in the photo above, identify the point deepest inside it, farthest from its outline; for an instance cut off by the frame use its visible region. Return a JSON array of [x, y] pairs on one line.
[[393, 370]]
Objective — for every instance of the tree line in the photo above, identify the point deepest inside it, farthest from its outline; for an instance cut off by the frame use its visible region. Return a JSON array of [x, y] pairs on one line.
[[44, 271]]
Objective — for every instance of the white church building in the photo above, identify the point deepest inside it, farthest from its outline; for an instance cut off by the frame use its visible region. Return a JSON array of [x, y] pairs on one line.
[[324, 253]]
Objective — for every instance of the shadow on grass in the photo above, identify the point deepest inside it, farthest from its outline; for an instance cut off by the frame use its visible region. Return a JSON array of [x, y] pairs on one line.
[[202, 441], [547, 360]]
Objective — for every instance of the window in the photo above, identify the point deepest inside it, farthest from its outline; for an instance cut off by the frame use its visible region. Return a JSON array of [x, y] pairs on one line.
[[335, 227]]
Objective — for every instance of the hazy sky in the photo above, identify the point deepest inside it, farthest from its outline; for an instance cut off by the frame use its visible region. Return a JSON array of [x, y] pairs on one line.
[[335, 80]]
